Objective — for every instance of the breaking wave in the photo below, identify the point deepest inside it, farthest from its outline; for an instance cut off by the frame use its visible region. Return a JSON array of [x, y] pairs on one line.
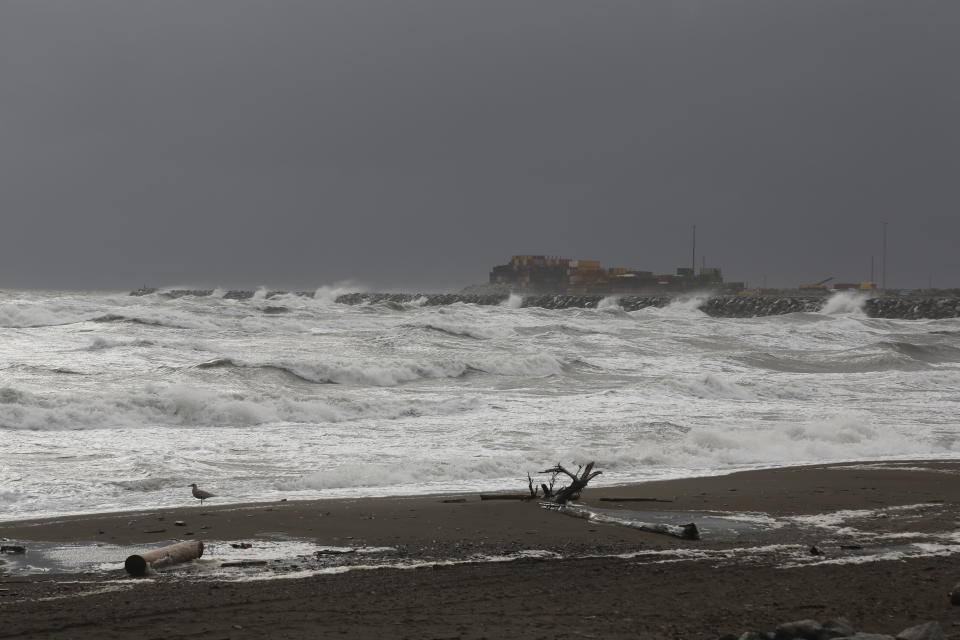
[[390, 374], [877, 356], [697, 451], [24, 316], [181, 405]]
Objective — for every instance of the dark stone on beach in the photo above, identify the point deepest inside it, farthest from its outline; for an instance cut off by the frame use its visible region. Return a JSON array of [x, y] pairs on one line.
[[814, 551], [925, 631], [12, 549], [955, 594], [799, 630], [838, 628]]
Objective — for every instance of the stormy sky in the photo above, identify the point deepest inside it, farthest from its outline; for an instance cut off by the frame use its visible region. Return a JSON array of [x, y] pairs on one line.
[[415, 143]]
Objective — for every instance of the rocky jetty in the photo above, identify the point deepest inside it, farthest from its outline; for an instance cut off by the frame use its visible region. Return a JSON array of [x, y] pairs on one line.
[[423, 299], [752, 306], [912, 308], [727, 306], [235, 294]]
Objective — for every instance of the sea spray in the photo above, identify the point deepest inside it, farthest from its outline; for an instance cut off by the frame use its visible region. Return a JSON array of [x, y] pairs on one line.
[[513, 301], [845, 303]]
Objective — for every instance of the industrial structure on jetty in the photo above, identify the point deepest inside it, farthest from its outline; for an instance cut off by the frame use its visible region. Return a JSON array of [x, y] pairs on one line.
[[552, 274]]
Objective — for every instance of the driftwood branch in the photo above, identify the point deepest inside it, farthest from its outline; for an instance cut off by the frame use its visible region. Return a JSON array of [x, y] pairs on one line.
[[572, 491]]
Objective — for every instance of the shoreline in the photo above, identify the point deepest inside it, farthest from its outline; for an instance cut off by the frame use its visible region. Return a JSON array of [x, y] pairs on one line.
[[767, 490], [450, 565], [596, 490]]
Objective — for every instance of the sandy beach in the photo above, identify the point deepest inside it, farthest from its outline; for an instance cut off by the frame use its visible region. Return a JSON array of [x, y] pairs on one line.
[[871, 542]]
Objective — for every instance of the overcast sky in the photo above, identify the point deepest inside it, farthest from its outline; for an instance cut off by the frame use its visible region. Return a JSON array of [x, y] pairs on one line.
[[413, 144]]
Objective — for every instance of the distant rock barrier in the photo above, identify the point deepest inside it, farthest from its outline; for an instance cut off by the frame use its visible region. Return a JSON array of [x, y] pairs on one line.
[[729, 306]]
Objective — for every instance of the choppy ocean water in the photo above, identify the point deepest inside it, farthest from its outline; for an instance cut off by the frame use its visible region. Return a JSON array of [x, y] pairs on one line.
[[111, 402]]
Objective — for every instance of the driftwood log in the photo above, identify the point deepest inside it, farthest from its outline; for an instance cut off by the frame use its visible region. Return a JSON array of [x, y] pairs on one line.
[[138, 564], [682, 531]]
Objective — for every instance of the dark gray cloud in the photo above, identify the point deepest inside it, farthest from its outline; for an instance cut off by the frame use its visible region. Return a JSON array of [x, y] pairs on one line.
[[416, 143]]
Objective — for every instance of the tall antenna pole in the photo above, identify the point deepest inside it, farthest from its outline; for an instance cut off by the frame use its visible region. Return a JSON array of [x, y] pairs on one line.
[[883, 271], [693, 253]]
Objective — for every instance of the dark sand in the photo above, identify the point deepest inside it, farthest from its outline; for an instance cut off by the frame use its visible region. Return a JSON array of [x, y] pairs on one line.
[[734, 579]]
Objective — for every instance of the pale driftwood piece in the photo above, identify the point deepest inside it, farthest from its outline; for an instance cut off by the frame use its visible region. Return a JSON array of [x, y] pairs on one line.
[[138, 564], [682, 531], [244, 563], [578, 481]]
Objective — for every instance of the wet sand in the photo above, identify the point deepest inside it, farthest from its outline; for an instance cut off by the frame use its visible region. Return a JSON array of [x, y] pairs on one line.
[[884, 533]]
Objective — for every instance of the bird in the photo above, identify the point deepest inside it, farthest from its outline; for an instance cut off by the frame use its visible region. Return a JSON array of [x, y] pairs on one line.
[[200, 493]]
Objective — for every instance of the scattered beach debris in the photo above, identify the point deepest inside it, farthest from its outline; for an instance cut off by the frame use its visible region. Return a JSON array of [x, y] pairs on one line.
[[200, 494], [838, 628], [139, 564], [12, 549], [241, 545], [180, 523]]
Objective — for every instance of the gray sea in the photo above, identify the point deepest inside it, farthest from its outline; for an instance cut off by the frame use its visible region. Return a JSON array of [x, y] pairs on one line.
[[113, 402]]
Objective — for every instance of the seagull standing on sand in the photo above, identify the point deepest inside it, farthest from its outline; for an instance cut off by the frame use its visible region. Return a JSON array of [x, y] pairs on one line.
[[200, 493]]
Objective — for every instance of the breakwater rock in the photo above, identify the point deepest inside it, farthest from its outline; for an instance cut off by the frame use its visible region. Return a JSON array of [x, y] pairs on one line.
[[729, 306], [909, 308]]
